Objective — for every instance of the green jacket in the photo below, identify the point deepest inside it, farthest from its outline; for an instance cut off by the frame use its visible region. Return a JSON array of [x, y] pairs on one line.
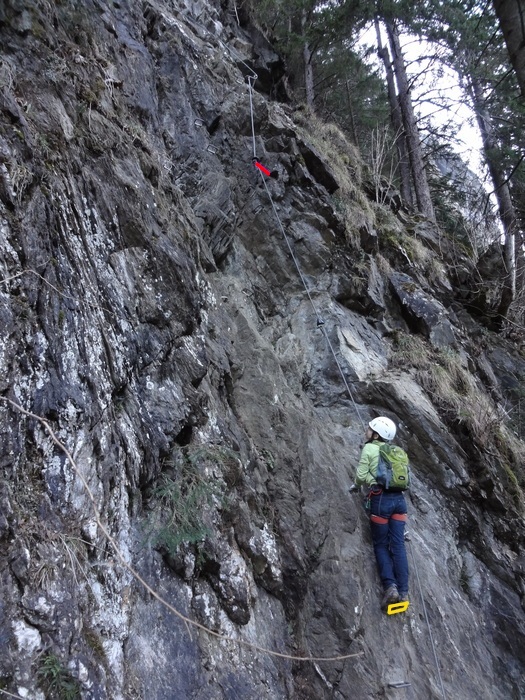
[[367, 466]]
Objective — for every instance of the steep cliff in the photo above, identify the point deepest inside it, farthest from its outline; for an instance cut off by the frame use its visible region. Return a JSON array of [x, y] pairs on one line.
[[190, 353]]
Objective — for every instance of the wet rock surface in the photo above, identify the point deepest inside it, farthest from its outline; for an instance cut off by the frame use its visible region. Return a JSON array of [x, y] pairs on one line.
[[203, 439]]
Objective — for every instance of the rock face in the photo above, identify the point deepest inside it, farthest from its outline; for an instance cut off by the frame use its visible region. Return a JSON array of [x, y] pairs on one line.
[[182, 411]]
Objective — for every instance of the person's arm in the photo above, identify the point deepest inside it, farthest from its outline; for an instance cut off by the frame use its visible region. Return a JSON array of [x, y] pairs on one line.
[[365, 473]]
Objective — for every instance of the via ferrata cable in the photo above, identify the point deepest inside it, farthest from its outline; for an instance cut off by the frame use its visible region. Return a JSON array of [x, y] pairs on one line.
[[249, 81], [321, 326], [320, 321], [427, 620]]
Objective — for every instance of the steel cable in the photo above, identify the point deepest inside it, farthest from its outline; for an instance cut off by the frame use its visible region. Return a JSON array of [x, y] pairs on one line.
[[320, 321]]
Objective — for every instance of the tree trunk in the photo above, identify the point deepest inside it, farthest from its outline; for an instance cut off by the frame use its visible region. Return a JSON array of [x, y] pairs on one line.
[[308, 66], [417, 165], [353, 130], [502, 192], [511, 17], [396, 119]]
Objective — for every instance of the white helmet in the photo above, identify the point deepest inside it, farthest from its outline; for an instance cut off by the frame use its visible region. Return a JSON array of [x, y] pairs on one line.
[[384, 427]]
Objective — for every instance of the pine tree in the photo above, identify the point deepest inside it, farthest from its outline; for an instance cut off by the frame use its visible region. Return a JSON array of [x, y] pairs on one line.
[[396, 118], [477, 51], [415, 152], [511, 17]]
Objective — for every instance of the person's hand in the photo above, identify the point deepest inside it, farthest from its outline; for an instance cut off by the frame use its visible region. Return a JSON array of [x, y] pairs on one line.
[[354, 489]]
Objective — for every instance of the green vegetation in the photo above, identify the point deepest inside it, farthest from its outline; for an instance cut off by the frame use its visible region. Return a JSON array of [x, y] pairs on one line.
[[94, 641], [455, 392], [179, 517], [183, 498], [510, 450], [56, 681], [268, 458], [347, 167], [464, 580], [450, 386]]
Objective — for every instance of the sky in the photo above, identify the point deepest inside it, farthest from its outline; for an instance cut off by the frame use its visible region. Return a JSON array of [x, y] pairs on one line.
[[440, 82]]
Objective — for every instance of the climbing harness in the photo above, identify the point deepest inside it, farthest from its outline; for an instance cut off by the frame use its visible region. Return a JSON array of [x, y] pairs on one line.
[[374, 490]]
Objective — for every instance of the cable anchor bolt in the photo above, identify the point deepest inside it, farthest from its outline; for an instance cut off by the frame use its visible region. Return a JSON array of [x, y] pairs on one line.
[[320, 322]]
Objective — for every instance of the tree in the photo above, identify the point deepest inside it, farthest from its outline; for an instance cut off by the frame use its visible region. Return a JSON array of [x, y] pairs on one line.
[[477, 51], [350, 92], [511, 17], [317, 35], [501, 192], [415, 154], [305, 31], [308, 55], [396, 118]]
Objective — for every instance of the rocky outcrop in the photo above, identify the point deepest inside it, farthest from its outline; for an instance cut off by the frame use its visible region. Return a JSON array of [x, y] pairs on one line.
[[423, 313], [185, 530]]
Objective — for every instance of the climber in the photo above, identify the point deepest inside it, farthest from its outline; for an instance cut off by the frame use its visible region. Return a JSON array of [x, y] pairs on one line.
[[388, 514]]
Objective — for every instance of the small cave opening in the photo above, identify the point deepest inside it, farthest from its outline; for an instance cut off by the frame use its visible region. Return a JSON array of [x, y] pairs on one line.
[[184, 435]]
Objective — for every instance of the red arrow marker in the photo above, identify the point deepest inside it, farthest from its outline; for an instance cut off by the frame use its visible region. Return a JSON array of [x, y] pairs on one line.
[[261, 167]]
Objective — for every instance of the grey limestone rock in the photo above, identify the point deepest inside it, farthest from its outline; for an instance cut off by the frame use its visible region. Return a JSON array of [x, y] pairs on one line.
[[181, 412]]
